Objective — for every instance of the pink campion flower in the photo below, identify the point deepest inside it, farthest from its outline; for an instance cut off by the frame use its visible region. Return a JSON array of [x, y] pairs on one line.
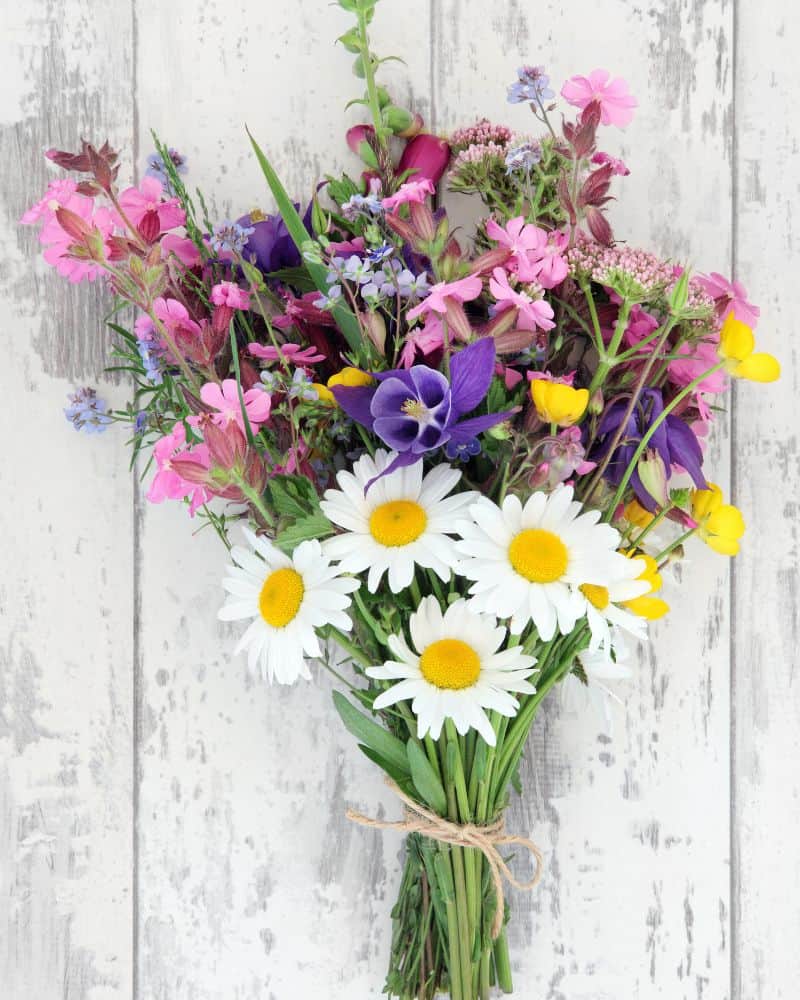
[[175, 316], [510, 376], [618, 167], [293, 353], [535, 253], [145, 208], [225, 400], [229, 294], [411, 193], [729, 297], [616, 102], [696, 359], [533, 314], [58, 242], [182, 247], [167, 483], [427, 339], [463, 290], [58, 194]]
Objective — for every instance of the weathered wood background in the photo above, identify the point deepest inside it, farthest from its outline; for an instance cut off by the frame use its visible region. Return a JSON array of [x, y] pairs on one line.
[[170, 830]]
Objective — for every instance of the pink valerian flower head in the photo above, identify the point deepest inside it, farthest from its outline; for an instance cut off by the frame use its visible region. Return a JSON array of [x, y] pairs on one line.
[[147, 210], [227, 293], [413, 192], [696, 359], [426, 339], [618, 167], [463, 290], [295, 354], [536, 254], [169, 484], [75, 223], [615, 101], [533, 313], [224, 399], [729, 297]]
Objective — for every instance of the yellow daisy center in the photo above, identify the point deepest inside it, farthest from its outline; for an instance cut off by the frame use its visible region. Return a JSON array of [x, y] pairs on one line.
[[538, 555], [397, 523], [595, 595], [450, 664], [281, 597]]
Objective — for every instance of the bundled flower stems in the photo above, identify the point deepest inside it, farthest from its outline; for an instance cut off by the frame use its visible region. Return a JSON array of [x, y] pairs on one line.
[[451, 474]]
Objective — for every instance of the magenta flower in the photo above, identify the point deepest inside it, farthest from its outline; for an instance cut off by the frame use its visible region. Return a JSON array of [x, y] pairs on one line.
[[536, 254], [427, 155], [167, 483], [696, 359], [229, 294], [59, 242], [463, 290], [533, 314], [729, 297], [413, 192], [616, 102], [618, 167], [175, 317], [225, 400], [293, 353], [182, 247], [426, 339], [145, 208], [56, 196]]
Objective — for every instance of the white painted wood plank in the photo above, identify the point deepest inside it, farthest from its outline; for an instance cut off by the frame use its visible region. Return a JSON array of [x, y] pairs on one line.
[[636, 829], [766, 697], [66, 595], [252, 883]]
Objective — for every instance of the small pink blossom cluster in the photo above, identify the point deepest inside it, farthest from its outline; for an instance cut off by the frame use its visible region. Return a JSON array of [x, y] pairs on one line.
[[478, 153], [482, 133], [597, 262]]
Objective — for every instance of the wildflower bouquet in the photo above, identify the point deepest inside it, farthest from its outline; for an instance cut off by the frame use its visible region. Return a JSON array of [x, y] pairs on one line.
[[453, 475]]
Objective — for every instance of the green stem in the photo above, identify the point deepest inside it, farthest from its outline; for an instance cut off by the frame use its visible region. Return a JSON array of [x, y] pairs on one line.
[[608, 357], [502, 962], [674, 545], [369, 77]]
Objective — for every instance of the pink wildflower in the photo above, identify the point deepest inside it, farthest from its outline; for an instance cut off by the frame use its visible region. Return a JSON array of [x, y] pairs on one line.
[[225, 400], [148, 212], [616, 103], [167, 483], [426, 339], [229, 294], [536, 253], [618, 167], [59, 243], [411, 193], [510, 376], [175, 316], [696, 359], [58, 194], [463, 290], [534, 314], [293, 353], [729, 297], [182, 247]]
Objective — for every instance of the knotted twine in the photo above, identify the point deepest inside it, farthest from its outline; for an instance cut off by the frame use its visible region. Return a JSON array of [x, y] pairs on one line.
[[485, 837]]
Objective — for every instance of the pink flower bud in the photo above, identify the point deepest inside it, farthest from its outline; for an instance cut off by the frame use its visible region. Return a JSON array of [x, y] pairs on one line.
[[426, 154]]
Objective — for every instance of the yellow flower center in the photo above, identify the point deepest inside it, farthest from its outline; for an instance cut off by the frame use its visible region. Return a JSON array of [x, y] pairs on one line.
[[281, 597], [414, 408], [595, 595], [538, 555], [450, 664], [397, 523]]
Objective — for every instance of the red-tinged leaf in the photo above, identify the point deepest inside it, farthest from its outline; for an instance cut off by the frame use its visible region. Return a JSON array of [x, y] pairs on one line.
[[514, 341], [423, 221], [596, 186], [489, 261], [402, 228], [73, 225], [562, 190], [190, 470], [457, 321], [599, 226]]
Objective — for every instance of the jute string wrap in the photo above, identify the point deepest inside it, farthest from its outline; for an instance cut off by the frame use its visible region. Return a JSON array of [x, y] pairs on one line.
[[486, 838]]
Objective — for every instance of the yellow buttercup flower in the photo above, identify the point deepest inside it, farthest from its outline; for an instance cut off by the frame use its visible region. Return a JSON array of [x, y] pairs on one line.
[[638, 515], [647, 606], [736, 345], [720, 525], [347, 377], [557, 403]]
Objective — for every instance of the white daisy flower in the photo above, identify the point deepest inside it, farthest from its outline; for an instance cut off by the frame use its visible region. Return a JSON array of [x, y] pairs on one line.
[[602, 610], [402, 521], [458, 671], [601, 668], [287, 598], [527, 562]]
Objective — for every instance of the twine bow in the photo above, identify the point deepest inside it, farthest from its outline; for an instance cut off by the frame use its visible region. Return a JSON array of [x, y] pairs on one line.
[[486, 838]]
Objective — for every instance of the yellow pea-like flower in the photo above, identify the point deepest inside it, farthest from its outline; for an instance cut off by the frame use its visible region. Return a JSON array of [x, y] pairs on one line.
[[647, 606], [736, 346], [347, 377], [720, 525], [557, 403]]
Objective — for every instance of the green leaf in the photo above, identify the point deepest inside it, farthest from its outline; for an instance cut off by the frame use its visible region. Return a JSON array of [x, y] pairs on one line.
[[401, 777], [371, 734], [293, 496], [426, 780], [313, 526], [345, 319], [297, 277]]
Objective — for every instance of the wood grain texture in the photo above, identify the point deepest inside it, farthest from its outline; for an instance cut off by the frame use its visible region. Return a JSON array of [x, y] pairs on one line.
[[66, 596], [766, 699], [200, 851]]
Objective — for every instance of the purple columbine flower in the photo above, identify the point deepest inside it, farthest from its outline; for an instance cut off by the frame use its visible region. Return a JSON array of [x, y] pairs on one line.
[[269, 245], [419, 410], [674, 441]]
